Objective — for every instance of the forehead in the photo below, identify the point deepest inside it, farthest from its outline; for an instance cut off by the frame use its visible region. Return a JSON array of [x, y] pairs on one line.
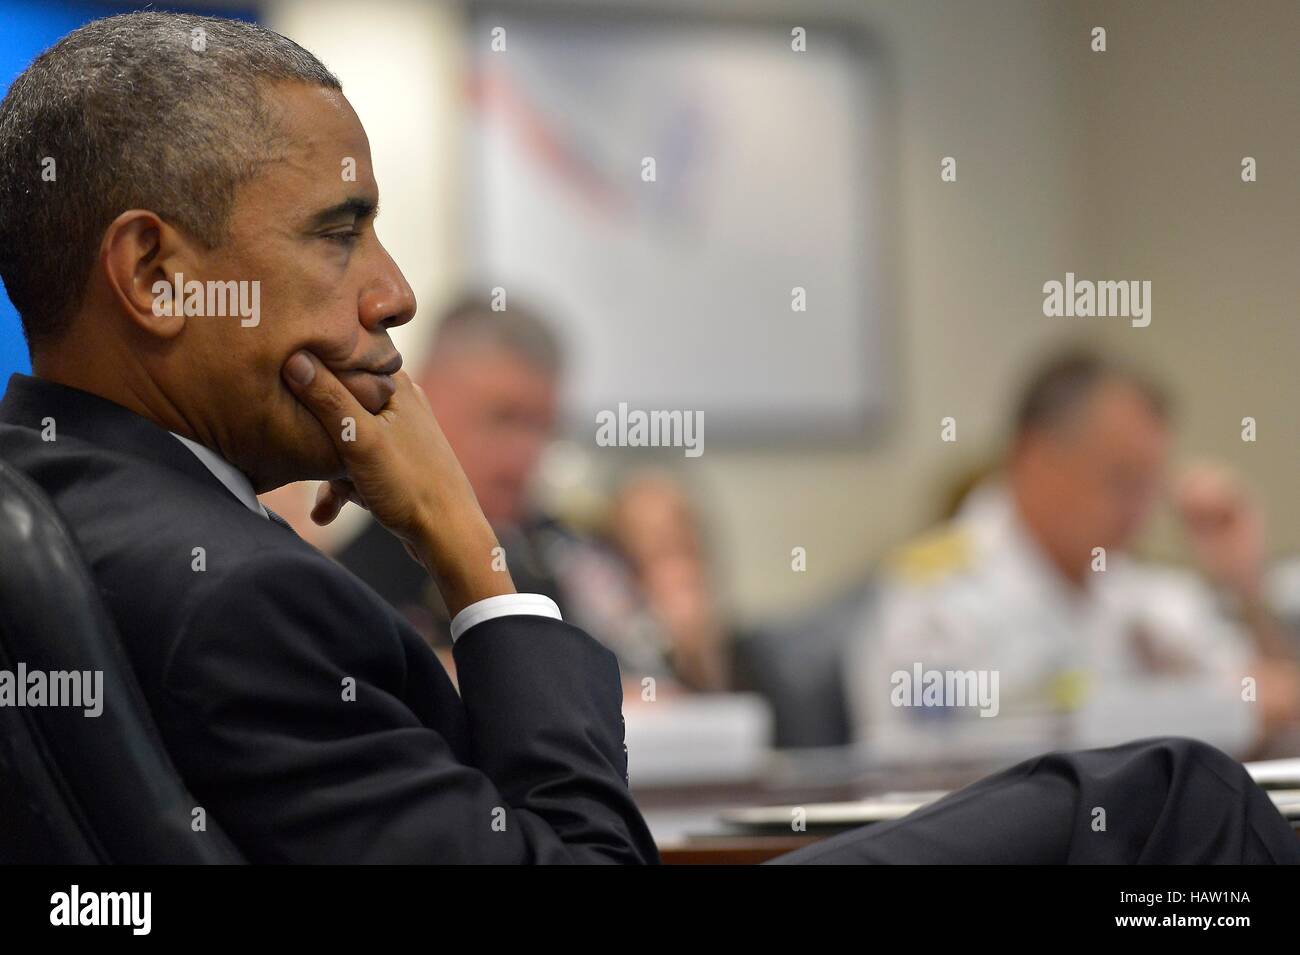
[[1118, 415], [488, 362], [321, 153]]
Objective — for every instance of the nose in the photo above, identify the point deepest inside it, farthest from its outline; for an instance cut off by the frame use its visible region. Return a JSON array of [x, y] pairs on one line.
[[388, 300]]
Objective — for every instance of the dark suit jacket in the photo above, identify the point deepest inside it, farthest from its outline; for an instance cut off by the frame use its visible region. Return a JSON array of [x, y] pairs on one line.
[[245, 666]]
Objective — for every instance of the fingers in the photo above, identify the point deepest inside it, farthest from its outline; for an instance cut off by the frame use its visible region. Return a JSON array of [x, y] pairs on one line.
[[1208, 483], [1207, 494], [323, 395], [327, 505], [330, 498], [407, 394]]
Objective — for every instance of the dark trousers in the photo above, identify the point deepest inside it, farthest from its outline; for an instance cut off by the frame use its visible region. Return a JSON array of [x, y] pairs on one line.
[[1165, 800]]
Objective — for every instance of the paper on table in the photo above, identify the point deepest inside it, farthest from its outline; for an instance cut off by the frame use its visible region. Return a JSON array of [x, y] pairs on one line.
[[843, 815], [876, 809], [1276, 773]]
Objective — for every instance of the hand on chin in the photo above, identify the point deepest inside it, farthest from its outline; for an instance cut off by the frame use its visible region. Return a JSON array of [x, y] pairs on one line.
[[371, 391]]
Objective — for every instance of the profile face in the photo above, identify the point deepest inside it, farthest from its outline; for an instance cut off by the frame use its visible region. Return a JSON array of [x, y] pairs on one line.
[[303, 227], [1111, 470]]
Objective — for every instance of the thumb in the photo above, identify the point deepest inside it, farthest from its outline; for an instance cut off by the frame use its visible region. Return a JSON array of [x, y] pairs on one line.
[[330, 498], [322, 394]]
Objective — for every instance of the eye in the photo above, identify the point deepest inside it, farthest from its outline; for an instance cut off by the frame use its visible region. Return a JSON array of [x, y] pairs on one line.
[[343, 238]]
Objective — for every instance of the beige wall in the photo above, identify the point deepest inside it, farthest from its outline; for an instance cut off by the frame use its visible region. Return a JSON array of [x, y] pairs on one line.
[[981, 83], [1115, 165], [1187, 90]]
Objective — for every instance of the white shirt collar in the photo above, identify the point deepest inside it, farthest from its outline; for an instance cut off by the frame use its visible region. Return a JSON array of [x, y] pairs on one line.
[[226, 473]]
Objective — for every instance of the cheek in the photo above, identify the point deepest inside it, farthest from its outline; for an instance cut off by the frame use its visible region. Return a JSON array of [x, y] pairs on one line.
[[309, 308], [1097, 510], [331, 334]]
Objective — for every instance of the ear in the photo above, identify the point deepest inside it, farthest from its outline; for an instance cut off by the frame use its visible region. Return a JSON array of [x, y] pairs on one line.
[[140, 256]]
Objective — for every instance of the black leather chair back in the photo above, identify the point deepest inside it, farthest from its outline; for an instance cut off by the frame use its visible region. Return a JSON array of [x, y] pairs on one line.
[[76, 788], [799, 665]]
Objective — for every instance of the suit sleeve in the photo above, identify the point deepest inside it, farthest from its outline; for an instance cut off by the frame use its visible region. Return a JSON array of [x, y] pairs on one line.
[[289, 717]]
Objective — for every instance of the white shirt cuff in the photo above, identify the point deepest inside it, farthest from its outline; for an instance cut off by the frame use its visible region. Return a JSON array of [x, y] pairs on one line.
[[504, 605]]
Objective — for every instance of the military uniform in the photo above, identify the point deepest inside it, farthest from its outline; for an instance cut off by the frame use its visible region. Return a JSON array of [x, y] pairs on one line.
[[1137, 651]]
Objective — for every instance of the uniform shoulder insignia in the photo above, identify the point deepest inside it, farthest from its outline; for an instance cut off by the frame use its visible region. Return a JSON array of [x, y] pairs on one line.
[[1070, 689], [933, 556]]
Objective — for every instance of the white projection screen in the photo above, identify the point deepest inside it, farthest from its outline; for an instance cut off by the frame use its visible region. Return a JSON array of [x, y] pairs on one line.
[[677, 293]]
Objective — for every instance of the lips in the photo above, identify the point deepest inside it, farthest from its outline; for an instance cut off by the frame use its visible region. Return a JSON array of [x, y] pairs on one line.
[[373, 391], [373, 385], [389, 367]]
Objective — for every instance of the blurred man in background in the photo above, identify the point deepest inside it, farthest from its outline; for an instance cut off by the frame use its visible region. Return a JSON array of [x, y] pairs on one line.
[[657, 531], [1031, 584]]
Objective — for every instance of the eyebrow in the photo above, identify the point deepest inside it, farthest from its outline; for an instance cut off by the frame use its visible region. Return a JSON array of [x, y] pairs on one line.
[[355, 207]]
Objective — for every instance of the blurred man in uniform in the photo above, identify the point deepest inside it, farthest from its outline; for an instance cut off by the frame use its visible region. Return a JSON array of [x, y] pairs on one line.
[[1022, 624]]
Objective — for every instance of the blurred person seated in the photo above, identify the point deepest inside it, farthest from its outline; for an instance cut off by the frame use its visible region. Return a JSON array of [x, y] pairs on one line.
[[1030, 585], [656, 529]]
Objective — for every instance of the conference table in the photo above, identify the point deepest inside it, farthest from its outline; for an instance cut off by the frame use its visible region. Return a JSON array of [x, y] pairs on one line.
[[687, 817], [690, 819]]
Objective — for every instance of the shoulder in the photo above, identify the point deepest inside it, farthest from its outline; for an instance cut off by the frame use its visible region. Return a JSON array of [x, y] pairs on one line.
[[934, 557], [176, 554], [946, 580]]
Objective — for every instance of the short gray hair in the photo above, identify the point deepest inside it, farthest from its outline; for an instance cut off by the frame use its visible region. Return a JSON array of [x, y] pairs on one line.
[[518, 329], [1059, 389], [158, 111]]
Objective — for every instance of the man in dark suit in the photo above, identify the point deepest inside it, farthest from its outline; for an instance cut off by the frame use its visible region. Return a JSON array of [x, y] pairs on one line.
[[163, 176], [188, 154]]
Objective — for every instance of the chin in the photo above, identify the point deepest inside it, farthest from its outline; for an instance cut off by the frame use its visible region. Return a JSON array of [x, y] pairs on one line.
[[303, 455], [319, 463]]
